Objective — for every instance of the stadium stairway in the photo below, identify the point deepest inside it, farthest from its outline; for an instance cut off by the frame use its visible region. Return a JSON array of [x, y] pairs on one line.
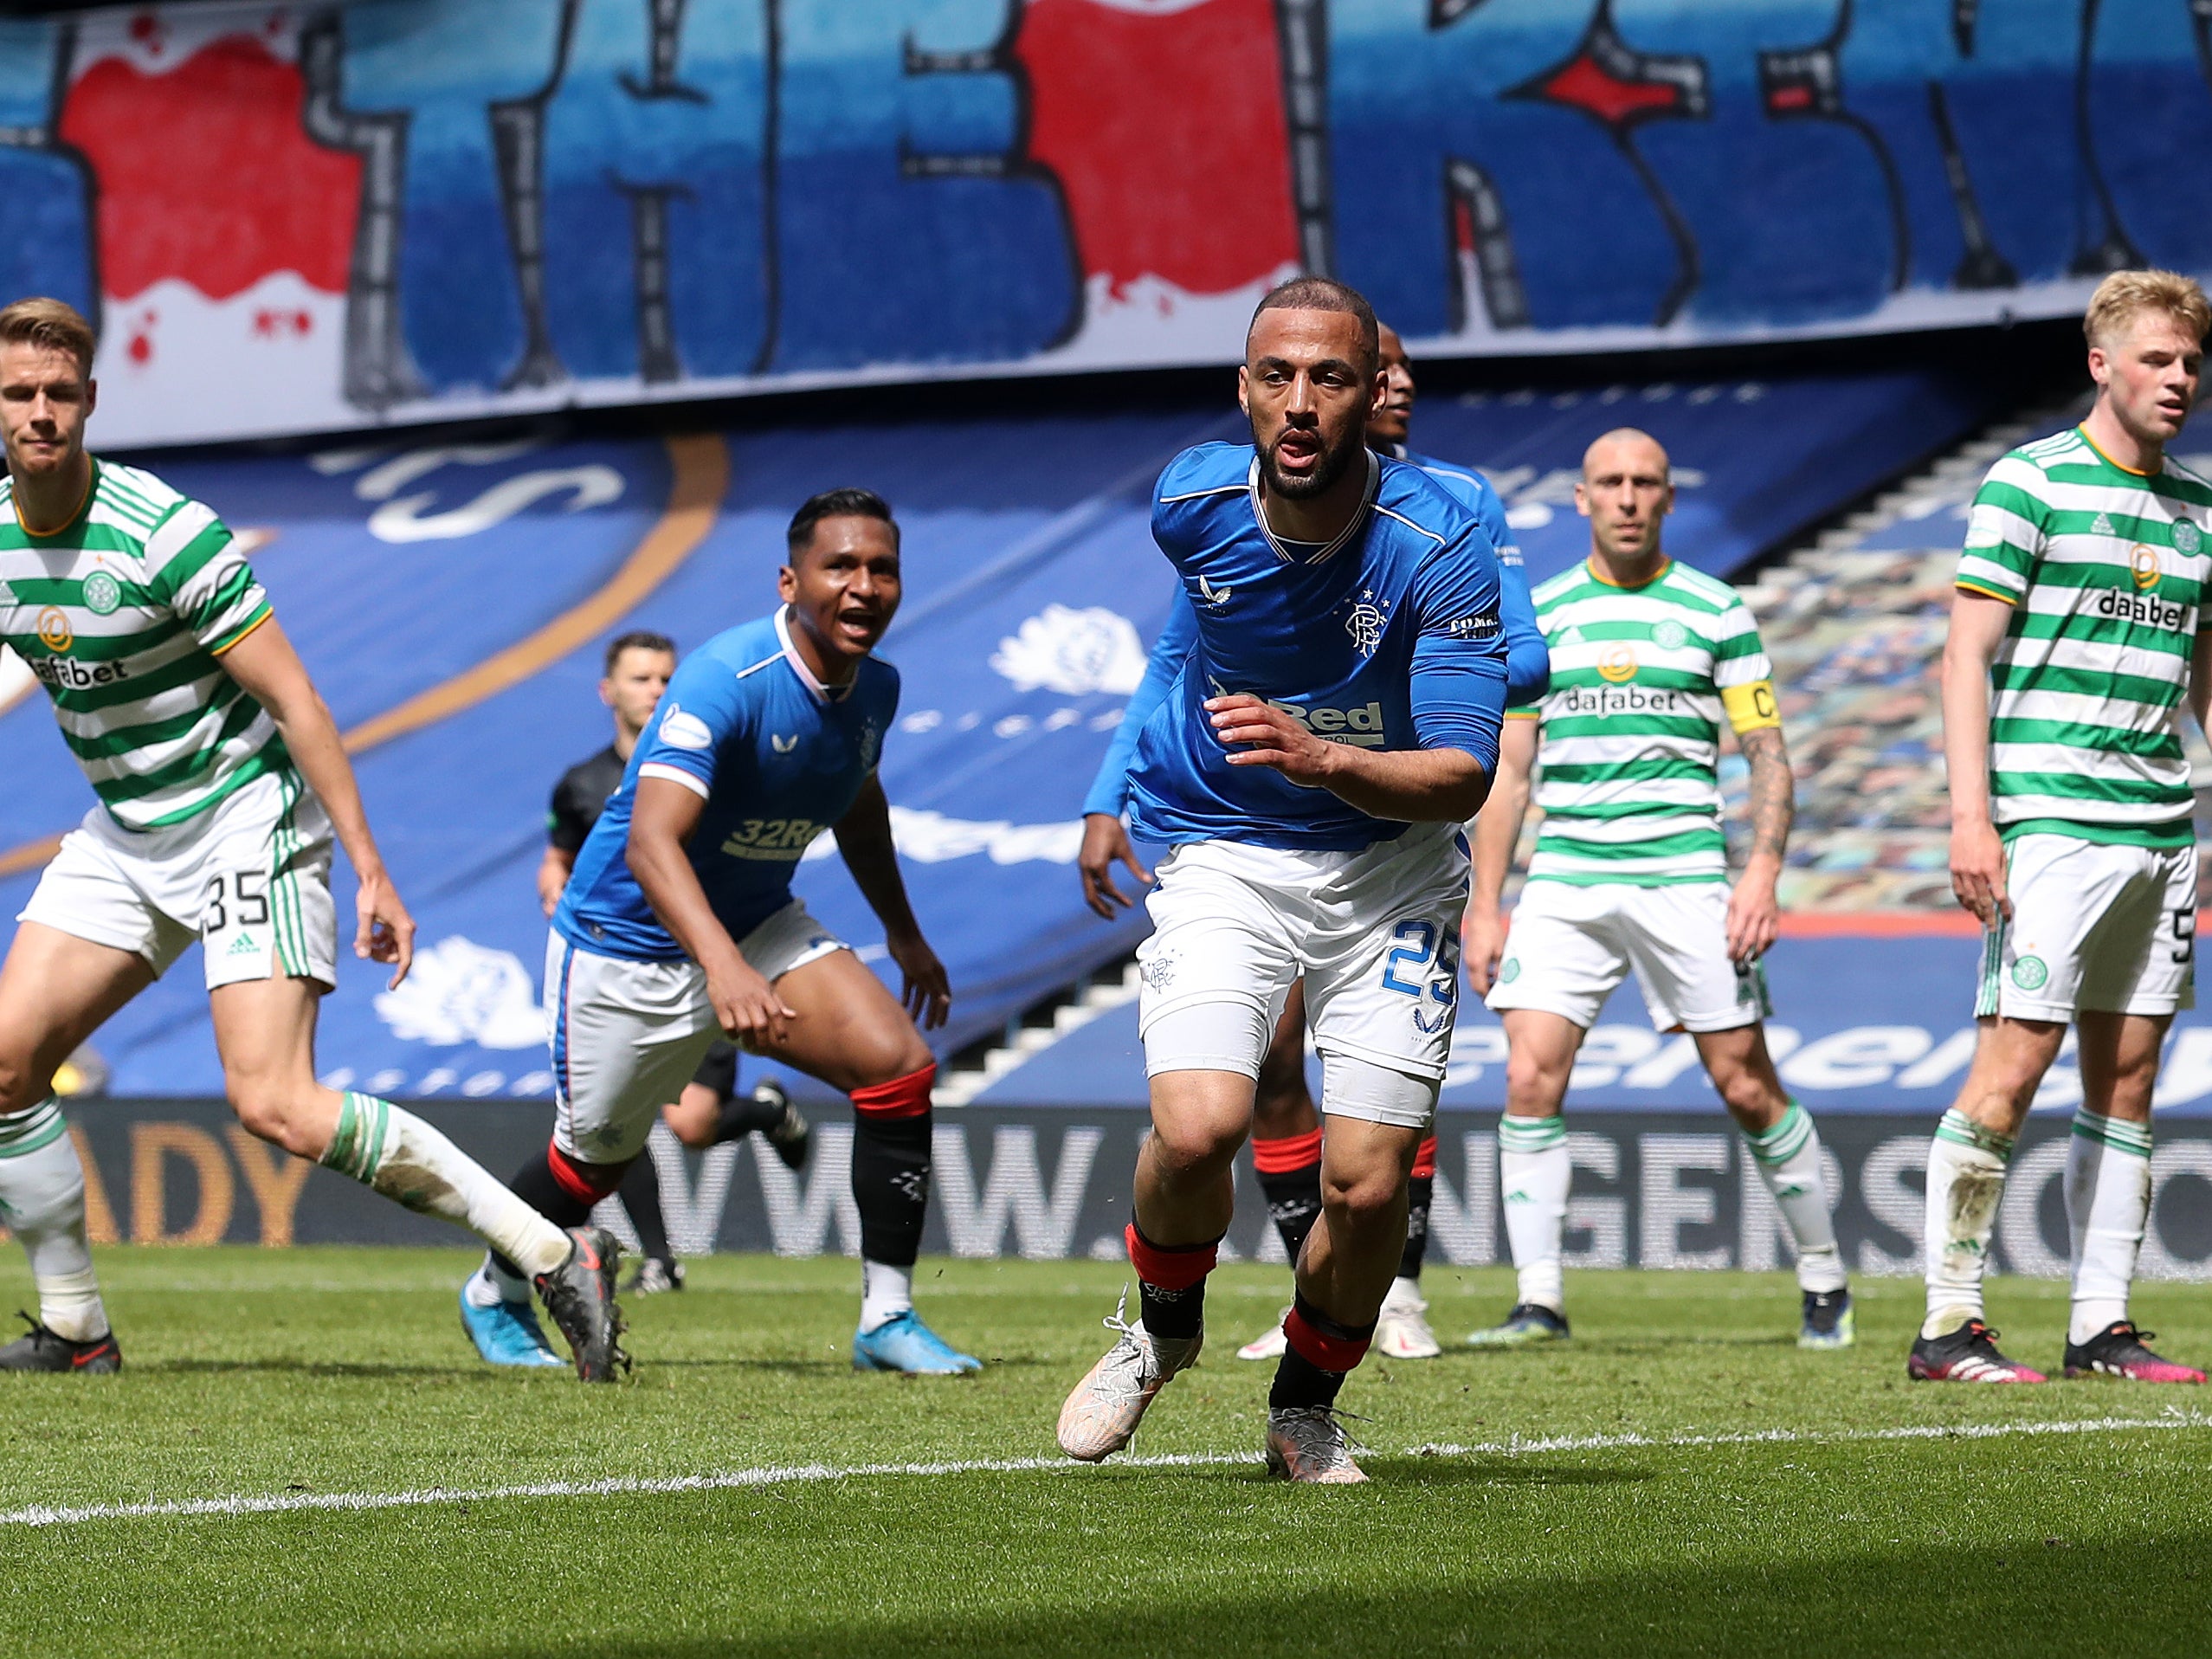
[[452, 598], [1873, 980]]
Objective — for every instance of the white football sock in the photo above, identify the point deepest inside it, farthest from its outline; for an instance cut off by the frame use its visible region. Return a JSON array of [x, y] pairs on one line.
[[885, 1292], [391, 1149], [1966, 1166], [43, 1200], [1533, 1175], [1789, 1157], [2107, 1204], [492, 1284], [1403, 1296]]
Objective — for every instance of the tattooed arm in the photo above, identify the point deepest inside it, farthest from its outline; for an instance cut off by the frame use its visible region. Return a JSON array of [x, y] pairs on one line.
[[1754, 917]]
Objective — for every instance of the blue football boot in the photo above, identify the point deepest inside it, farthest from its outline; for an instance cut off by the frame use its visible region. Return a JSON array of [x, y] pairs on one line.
[[1526, 1323], [903, 1343], [1829, 1321], [506, 1334]]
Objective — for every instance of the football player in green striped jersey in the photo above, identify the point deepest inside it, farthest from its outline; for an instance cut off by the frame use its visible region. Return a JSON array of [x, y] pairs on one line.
[[1631, 874], [221, 785], [2077, 626]]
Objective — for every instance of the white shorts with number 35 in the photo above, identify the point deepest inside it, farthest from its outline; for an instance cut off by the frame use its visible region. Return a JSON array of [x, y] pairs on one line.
[[1375, 933], [250, 878], [1570, 946], [2093, 928]]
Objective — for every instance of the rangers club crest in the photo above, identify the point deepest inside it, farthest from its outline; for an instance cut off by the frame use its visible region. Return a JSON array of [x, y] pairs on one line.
[[1365, 620]]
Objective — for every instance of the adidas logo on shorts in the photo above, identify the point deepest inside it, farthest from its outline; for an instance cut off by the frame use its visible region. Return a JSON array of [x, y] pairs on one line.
[[244, 944]]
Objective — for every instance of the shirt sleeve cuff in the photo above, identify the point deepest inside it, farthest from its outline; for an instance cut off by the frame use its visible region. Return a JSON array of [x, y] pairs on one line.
[[262, 613], [674, 775], [1979, 591]]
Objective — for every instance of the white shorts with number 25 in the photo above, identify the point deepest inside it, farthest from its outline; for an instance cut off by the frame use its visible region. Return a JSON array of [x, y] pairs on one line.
[[1375, 933]]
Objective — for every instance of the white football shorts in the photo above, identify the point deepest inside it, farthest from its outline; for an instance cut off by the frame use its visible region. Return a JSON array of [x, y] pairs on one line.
[[250, 878], [1375, 933], [627, 1035], [1570, 946], [2093, 928]]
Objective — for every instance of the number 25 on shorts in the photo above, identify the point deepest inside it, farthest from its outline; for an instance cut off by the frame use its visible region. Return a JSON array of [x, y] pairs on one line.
[[1414, 956]]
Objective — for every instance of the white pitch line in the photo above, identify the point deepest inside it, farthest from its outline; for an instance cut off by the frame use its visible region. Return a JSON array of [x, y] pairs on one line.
[[803, 1473]]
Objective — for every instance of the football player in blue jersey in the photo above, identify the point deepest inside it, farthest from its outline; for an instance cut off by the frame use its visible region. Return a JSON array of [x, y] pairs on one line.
[[1286, 1129], [1335, 721], [679, 922]]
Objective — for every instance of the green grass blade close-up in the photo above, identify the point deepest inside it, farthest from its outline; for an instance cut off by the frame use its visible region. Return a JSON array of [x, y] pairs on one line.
[[303, 1454]]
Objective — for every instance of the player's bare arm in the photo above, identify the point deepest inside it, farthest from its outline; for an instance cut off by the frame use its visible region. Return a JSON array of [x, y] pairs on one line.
[[265, 663], [1497, 832], [2200, 679], [1416, 785], [662, 821], [864, 841], [553, 871], [1978, 624], [1105, 844], [1754, 913]]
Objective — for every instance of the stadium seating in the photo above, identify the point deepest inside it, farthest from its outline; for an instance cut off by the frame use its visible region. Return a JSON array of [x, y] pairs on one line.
[[453, 599]]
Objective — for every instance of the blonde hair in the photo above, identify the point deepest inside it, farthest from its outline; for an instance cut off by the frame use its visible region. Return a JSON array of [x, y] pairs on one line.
[[2124, 295]]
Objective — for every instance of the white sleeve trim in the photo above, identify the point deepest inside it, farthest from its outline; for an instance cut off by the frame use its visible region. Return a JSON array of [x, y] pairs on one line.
[[673, 775]]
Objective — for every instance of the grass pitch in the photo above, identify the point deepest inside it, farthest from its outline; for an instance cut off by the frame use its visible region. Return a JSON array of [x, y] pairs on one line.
[[1609, 1496]]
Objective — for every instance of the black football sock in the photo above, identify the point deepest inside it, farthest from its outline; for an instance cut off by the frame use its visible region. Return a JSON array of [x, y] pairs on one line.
[[891, 1184], [1289, 1171], [1175, 1314], [1321, 1352], [1170, 1284], [741, 1114], [640, 1193], [1420, 1190]]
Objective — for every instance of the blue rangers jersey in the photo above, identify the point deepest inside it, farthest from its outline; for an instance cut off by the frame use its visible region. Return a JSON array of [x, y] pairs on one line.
[[1528, 660], [778, 758], [1388, 637]]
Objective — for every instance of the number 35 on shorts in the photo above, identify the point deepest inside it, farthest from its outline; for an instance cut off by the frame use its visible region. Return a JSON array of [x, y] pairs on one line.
[[234, 917], [1425, 965]]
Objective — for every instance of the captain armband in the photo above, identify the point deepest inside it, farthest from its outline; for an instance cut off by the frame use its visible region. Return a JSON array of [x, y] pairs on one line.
[[1752, 707]]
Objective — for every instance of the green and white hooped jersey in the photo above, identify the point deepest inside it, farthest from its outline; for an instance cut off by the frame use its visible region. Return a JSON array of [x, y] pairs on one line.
[[2105, 571], [122, 613], [1628, 751]]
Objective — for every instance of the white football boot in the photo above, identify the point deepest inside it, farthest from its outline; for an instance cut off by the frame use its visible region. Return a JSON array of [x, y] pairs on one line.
[[1402, 1331], [1306, 1443], [1107, 1406], [1269, 1344]]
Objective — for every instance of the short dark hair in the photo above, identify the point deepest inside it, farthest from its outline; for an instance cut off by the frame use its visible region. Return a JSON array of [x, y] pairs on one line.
[[1323, 293], [850, 502], [638, 639]]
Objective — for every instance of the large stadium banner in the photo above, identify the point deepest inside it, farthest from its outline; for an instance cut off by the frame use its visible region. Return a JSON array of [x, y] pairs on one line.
[[314, 217], [1649, 1190]]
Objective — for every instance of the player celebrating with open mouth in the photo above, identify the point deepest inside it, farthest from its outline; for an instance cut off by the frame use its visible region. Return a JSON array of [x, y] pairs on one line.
[[221, 783], [1286, 1129], [679, 923], [1335, 721]]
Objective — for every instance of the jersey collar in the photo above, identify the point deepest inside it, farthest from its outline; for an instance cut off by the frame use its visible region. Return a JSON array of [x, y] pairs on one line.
[[92, 487], [1351, 529], [1596, 574], [2130, 471], [819, 692]]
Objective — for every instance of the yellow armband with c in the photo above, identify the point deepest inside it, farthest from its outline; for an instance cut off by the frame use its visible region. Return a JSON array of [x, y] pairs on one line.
[[1750, 708]]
